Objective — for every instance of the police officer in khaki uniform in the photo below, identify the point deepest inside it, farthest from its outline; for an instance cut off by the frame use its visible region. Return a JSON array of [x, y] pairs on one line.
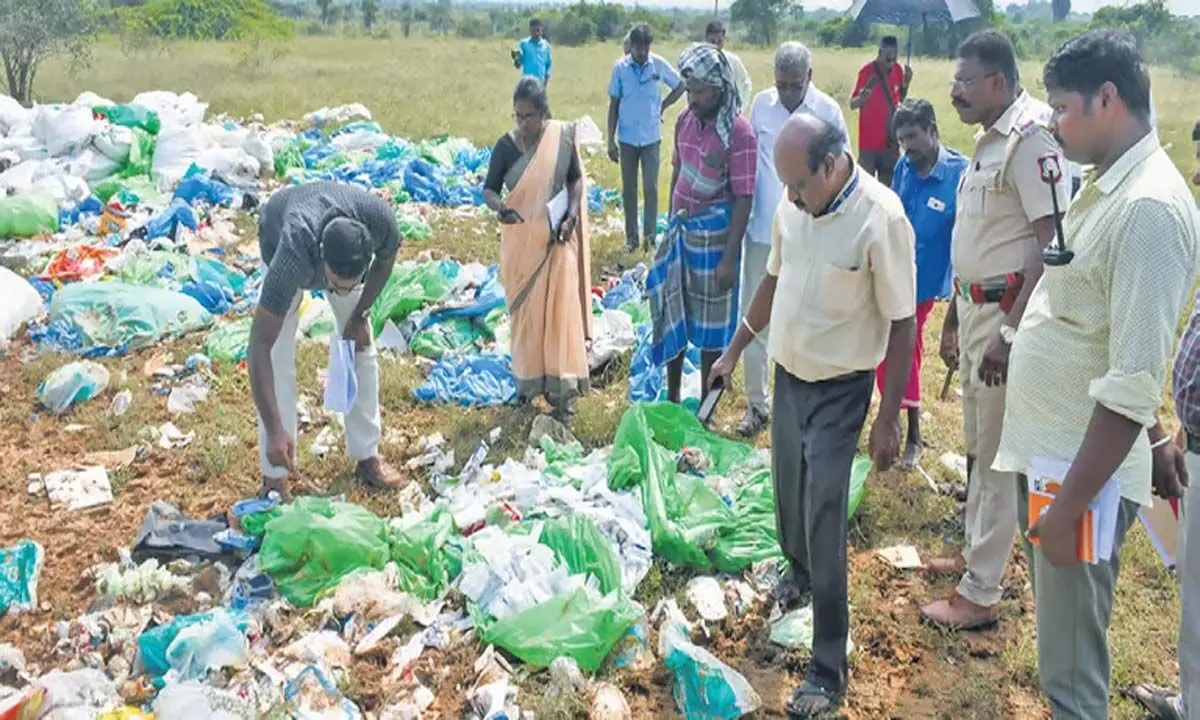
[[1005, 217]]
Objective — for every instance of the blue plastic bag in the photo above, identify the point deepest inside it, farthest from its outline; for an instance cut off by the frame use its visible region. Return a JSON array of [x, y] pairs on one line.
[[165, 223], [20, 567], [201, 187], [115, 315], [481, 380], [154, 645]]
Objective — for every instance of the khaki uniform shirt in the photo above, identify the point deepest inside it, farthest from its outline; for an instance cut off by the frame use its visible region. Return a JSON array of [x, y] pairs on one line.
[[842, 279], [1001, 193]]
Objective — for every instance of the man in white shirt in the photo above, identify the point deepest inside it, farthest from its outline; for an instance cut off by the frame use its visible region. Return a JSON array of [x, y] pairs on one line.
[[715, 35], [793, 93]]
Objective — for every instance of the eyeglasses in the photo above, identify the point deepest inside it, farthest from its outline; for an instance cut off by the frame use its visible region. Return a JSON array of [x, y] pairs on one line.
[[522, 117], [964, 83]]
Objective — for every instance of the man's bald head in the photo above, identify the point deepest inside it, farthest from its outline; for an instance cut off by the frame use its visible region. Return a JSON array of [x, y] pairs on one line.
[[806, 159]]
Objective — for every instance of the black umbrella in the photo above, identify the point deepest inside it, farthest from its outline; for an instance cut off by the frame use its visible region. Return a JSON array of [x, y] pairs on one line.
[[912, 12]]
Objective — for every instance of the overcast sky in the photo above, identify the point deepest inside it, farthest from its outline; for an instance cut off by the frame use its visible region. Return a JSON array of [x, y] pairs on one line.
[[1179, 7]]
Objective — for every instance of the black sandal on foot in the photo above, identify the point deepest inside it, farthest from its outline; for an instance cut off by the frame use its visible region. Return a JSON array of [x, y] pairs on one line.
[[812, 701]]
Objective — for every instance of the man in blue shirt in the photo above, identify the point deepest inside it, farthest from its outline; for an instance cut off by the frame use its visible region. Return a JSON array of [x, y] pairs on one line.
[[532, 56], [926, 179], [635, 112]]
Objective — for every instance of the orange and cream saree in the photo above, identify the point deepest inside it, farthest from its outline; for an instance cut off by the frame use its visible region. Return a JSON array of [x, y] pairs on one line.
[[546, 283]]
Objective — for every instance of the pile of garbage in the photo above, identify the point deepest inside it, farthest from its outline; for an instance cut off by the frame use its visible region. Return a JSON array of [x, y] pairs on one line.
[[268, 607]]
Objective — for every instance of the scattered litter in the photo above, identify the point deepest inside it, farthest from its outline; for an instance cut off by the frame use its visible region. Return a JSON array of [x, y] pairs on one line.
[[79, 489], [314, 694], [72, 384], [902, 557], [608, 703], [708, 598], [227, 440], [184, 398], [704, 687], [167, 533], [199, 701], [324, 441], [565, 678], [956, 464], [324, 648], [172, 438], [795, 630], [20, 566], [120, 404]]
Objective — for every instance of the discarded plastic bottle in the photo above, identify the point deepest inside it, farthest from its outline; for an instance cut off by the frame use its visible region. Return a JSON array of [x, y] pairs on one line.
[[475, 462]]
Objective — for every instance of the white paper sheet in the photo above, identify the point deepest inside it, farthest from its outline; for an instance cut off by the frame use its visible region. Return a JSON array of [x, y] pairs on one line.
[[341, 387], [556, 210]]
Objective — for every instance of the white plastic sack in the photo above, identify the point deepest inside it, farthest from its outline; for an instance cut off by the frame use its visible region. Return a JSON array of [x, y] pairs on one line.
[[20, 179], [233, 165], [113, 142], [173, 110], [21, 302], [359, 141], [257, 146], [93, 166], [67, 189], [89, 99], [64, 130], [337, 115], [24, 145], [14, 116], [198, 701], [178, 147], [587, 133], [614, 334]]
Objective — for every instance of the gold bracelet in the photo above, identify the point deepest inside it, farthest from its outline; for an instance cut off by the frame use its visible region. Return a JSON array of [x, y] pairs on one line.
[[746, 324]]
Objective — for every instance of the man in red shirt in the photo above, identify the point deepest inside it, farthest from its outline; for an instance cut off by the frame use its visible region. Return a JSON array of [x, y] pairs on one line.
[[882, 85]]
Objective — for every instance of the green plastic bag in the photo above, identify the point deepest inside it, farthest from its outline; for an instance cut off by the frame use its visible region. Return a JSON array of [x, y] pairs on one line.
[[20, 567], [112, 314], [24, 216], [639, 311], [575, 625], [315, 542], [130, 116], [443, 150], [289, 158], [141, 155], [752, 537], [229, 342], [413, 227], [428, 562], [410, 288], [453, 336], [130, 191]]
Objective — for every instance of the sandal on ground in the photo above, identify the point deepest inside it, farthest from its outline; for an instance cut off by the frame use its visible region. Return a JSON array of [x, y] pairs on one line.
[[1158, 702], [812, 701]]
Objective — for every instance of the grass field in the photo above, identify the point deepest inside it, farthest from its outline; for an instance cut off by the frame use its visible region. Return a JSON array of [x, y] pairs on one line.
[[426, 87]]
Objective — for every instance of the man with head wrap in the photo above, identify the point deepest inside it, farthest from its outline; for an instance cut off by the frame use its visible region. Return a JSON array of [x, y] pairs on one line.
[[341, 240], [693, 281]]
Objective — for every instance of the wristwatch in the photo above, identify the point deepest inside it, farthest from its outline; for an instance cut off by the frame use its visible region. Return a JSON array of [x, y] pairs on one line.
[[1007, 333]]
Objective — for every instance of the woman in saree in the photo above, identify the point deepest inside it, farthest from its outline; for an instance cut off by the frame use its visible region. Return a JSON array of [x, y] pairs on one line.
[[545, 265]]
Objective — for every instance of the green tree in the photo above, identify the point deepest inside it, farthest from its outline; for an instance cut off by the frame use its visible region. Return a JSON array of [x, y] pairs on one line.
[[760, 18], [441, 17], [370, 11], [324, 6], [1062, 8], [33, 30]]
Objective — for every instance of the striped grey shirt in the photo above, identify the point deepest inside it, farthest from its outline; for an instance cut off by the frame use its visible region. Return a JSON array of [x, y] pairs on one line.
[[289, 236]]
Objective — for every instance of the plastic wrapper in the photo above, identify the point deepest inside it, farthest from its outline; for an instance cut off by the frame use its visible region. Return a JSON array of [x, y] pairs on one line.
[[410, 288], [154, 645], [26, 216], [228, 342], [314, 542], [131, 116], [214, 643], [20, 567], [197, 701], [705, 688], [482, 380], [72, 384], [80, 262], [22, 302], [426, 560]]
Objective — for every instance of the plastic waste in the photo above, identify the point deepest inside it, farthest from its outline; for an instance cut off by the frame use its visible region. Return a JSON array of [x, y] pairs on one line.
[[228, 342], [565, 678], [608, 703], [707, 596], [79, 489], [704, 686], [795, 630], [78, 263], [132, 116], [167, 533], [139, 161], [78, 694], [72, 384], [64, 130], [21, 302], [20, 567], [426, 560], [212, 644], [473, 381], [184, 398], [409, 288], [313, 543], [165, 224], [200, 701], [140, 585], [313, 694], [154, 644], [122, 316], [26, 216], [200, 186]]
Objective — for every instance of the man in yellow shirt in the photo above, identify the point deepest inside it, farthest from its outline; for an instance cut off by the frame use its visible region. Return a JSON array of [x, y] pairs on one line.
[[1090, 357], [842, 262], [1004, 216]]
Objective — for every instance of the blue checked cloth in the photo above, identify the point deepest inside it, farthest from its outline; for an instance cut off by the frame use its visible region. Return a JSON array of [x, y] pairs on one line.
[[686, 303]]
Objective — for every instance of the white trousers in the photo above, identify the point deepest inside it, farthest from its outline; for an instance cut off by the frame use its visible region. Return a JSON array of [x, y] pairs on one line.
[[363, 425], [754, 359]]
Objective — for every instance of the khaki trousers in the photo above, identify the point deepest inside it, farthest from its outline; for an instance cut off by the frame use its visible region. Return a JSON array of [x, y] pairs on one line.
[[991, 519]]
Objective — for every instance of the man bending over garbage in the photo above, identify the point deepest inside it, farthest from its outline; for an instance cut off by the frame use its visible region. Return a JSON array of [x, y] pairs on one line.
[[342, 240]]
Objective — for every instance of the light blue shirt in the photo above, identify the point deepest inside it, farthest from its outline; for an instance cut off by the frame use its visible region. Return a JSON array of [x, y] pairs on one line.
[[930, 203], [535, 58], [639, 122]]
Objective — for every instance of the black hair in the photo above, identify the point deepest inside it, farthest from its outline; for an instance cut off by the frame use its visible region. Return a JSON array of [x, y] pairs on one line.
[[714, 26], [914, 111], [536, 23], [641, 34], [532, 90], [346, 247], [1086, 62], [995, 52], [889, 41], [828, 140]]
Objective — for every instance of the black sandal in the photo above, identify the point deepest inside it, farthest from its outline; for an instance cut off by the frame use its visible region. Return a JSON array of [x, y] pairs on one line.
[[812, 701], [1158, 702]]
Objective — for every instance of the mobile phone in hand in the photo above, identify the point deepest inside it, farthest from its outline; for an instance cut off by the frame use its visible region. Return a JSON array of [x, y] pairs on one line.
[[709, 404]]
